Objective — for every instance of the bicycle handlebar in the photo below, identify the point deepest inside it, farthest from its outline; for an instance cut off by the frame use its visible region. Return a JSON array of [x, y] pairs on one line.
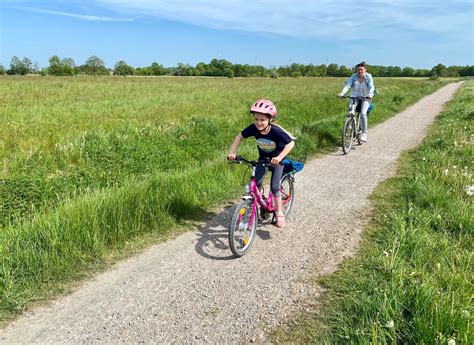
[[240, 159], [353, 97]]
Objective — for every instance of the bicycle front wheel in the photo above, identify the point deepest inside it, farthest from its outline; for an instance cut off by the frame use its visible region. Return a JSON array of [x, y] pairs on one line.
[[348, 134], [287, 190], [242, 228]]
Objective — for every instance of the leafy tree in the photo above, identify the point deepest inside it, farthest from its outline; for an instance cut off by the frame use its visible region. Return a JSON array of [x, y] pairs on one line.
[[333, 70], [183, 70], [322, 70], [157, 69], [27, 65], [121, 68], [453, 71], [2, 70], [466, 71], [95, 66], [68, 65], [422, 73], [344, 71], [60, 67], [200, 69], [408, 72], [229, 73], [18, 67], [439, 70], [55, 67], [284, 71]]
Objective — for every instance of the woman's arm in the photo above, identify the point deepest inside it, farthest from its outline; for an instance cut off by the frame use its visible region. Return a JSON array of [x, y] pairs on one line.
[[370, 85], [348, 84]]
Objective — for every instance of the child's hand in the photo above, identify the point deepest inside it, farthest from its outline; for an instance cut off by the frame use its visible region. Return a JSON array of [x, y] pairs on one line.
[[275, 160], [231, 156]]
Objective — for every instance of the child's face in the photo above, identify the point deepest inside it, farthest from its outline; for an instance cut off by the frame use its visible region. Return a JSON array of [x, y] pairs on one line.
[[261, 121]]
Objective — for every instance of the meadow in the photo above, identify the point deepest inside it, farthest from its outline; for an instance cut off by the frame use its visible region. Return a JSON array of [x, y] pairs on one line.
[[90, 165], [411, 282]]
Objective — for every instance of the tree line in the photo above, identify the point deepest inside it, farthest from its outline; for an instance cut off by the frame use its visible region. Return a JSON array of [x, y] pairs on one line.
[[220, 68]]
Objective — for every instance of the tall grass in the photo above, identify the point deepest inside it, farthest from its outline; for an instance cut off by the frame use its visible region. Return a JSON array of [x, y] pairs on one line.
[[412, 280], [89, 164]]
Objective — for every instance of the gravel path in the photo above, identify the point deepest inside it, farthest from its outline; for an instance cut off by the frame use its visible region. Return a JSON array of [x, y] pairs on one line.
[[189, 290]]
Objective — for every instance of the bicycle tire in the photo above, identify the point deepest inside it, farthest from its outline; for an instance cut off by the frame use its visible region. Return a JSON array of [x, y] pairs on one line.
[[241, 233], [348, 135], [287, 189]]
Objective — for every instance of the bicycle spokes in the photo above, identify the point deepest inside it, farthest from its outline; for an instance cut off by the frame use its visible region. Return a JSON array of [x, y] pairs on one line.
[[242, 228]]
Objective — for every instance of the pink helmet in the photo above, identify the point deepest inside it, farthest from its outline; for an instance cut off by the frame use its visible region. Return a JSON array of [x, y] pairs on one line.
[[264, 106]]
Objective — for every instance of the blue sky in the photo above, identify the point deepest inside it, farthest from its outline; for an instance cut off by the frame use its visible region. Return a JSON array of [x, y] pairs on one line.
[[401, 33]]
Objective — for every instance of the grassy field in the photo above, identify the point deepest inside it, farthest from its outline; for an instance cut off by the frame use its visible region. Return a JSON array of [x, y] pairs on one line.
[[412, 280], [89, 165]]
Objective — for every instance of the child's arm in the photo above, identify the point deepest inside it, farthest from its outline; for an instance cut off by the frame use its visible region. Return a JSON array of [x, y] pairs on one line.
[[233, 149], [288, 147]]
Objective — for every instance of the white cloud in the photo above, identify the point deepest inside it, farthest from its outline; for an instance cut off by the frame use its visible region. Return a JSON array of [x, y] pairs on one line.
[[309, 18], [78, 16]]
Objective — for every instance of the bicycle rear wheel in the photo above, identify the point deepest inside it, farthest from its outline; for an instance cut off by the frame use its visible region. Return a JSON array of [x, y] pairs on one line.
[[241, 231], [287, 190], [348, 134]]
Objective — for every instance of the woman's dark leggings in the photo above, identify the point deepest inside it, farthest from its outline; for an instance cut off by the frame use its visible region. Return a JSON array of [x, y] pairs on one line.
[[277, 172]]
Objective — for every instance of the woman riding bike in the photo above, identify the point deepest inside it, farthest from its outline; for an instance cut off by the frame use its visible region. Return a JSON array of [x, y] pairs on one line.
[[362, 85]]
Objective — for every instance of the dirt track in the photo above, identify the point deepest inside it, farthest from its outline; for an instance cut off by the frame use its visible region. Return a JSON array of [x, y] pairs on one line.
[[189, 290]]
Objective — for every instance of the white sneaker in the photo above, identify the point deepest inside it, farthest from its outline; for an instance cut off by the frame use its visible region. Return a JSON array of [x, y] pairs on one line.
[[363, 137]]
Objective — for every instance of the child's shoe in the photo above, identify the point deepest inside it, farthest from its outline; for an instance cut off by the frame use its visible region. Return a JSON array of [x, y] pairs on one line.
[[281, 222]]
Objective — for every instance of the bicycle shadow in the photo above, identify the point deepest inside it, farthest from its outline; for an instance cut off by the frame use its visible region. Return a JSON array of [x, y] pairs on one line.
[[213, 240]]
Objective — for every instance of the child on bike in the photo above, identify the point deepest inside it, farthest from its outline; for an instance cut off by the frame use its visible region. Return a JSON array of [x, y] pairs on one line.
[[362, 85], [273, 143]]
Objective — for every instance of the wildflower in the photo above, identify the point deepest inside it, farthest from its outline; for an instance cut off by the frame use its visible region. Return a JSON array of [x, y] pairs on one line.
[[424, 158], [455, 143], [452, 341], [470, 190], [446, 171], [385, 253], [390, 324]]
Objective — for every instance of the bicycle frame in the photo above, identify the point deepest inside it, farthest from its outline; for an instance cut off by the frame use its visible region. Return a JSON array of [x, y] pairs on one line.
[[265, 203], [352, 110], [355, 102]]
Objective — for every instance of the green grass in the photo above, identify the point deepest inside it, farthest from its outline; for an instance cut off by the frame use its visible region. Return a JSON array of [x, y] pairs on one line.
[[412, 279], [91, 164]]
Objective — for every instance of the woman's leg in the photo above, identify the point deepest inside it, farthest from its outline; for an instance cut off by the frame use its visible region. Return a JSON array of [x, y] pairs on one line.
[[363, 119]]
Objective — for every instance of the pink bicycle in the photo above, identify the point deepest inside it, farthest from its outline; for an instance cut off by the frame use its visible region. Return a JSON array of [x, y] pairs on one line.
[[255, 206]]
